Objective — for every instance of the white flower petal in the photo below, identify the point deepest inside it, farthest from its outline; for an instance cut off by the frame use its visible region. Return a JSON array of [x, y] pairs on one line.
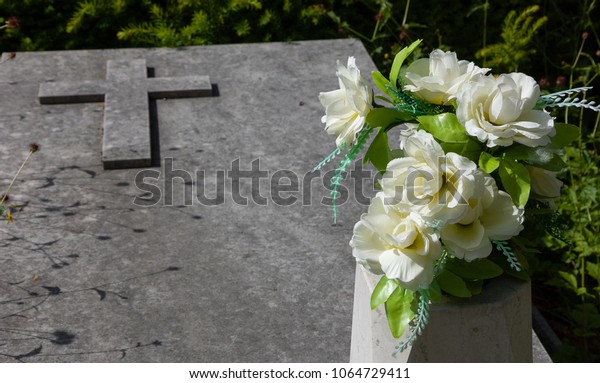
[[412, 271], [544, 184], [502, 219], [439, 78], [499, 111], [397, 244], [346, 108], [468, 236]]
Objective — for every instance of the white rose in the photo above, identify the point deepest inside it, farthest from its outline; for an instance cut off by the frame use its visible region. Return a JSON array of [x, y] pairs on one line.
[[399, 245], [346, 108], [491, 216], [544, 183], [440, 77], [428, 181], [499, 111]]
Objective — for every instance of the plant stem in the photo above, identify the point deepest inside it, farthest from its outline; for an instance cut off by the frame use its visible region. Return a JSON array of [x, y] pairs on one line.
[[485, 13], [375, 31], [581, 121], [572, 74], [357, 33], [15, 177], [596, 125], [405, 13]]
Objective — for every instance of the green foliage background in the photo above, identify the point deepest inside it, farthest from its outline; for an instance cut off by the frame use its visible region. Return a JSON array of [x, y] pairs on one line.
[[555, 41], [473, 28]]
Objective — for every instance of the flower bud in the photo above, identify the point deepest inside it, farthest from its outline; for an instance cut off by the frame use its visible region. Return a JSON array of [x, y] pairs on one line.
[[561, 81], [33, 147]]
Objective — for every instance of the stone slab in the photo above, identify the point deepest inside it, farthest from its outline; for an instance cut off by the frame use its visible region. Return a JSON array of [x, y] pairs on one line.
[[459, 330], [126, 141], [88, 276]]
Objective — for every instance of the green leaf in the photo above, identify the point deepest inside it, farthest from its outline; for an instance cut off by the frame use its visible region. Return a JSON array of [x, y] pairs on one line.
[[378, 152], [592, 270], [587, 316], [1, 209], [399, 60], [481, 7], [381, 82], [452, 135], [445, 127], [435, 291], [565, 134], [475, 287], [570, 279], [396, 153], [555, 164], [477, 269], [385, 287], [470, 149], [515, 179], [539, 157], [386, 118], [488, 163], [398, 310], [453, 284]]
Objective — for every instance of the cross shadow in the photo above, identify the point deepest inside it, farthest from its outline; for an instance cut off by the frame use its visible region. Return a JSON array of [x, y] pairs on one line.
[[154, 129]]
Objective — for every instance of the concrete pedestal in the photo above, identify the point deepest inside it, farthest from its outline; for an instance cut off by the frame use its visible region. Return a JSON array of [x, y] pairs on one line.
[[494, 326]]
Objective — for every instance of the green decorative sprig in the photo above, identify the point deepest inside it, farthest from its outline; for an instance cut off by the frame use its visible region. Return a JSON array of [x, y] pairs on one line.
[[338, 176], [330, 157], [565, 99], [441, 262], [504, 247], [406, 102]]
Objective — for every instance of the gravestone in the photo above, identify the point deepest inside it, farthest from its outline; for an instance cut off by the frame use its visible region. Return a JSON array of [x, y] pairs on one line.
[[150, 265]]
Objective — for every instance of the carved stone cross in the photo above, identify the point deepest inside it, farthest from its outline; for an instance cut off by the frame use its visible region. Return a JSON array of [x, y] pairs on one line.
[[125, 93]]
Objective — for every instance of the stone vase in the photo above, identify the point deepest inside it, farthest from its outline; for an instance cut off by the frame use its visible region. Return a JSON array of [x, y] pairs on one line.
[[494, 326]]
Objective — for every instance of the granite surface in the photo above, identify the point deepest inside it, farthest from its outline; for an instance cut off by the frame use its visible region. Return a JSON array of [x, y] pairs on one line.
[[97, 269]]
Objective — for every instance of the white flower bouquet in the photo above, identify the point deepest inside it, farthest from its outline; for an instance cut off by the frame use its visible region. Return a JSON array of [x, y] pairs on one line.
[[475, 150]]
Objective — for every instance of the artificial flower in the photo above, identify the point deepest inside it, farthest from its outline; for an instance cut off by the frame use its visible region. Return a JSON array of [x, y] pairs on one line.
[[439, 78], [491, 216], [500, 111], [346, 108], [399, 245], [544, 184], [428, 181]]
